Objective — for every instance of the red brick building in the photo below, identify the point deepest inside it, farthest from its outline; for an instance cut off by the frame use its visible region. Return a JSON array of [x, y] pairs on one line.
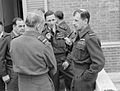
[[105, 21]]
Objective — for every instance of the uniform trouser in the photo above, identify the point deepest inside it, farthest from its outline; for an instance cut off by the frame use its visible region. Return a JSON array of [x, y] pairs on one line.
[[68, 77], [35, 83], [2, 85], [65, 75], [13, 83]]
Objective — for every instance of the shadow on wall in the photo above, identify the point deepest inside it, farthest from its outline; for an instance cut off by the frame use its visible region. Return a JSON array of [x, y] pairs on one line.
[[8, 28]]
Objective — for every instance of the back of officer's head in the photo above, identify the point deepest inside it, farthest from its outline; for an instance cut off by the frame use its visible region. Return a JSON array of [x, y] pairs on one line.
[[59, 15], [34, 20], [83, 13]]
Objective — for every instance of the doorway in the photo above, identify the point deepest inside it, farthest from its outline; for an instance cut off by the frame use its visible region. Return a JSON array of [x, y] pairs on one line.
[[9, 10]]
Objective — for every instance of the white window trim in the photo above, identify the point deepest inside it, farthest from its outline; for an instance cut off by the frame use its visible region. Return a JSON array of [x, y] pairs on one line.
[[24, 4], [110, 44], [46, 5]]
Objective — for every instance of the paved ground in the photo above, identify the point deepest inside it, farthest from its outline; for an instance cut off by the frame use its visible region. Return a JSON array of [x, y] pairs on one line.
[[115, 77]]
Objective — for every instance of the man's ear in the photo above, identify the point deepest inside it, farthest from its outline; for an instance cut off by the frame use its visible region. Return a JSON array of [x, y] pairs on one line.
[[13, 26], [86, 20]]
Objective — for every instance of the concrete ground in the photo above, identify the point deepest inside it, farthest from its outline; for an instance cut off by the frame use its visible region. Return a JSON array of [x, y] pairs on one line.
[[115, 77]]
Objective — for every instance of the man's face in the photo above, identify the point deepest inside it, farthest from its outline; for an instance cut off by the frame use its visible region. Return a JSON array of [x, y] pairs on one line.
[[19, 27], [1, 29], [51, 20], [77, 21]]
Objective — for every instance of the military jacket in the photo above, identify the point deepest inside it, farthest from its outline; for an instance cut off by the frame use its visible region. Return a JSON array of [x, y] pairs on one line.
[[87, 55]]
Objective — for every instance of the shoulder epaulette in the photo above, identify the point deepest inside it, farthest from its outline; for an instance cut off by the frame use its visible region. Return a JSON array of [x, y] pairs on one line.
[[92, 34], [42, 39]]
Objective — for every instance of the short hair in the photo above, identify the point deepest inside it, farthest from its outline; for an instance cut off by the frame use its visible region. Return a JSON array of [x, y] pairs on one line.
[[83, 13], [49, 12], [33, 19], [15, 20], [41, 9], [1, 23], [59, 15]]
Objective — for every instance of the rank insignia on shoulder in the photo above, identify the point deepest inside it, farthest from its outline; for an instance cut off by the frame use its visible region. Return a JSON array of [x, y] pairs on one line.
[[82, 42], [92, 34], [82, 39], [42, 39]]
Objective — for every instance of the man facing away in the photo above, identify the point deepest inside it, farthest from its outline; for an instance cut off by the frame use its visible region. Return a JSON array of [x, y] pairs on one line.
[[86, 57], [32, 59]]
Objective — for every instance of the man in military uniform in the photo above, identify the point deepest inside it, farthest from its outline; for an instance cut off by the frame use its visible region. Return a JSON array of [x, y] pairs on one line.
[[86, 57], [18, 29], [33, 59], [61, 22], [56, 35], [4, 57]]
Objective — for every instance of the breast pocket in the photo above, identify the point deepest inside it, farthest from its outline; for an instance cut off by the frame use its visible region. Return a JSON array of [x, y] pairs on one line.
[[80, 49], [61, 43]]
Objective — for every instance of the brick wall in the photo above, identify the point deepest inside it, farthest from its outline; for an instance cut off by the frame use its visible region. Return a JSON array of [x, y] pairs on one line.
[[112, 59], [34, 4], [104, 15]]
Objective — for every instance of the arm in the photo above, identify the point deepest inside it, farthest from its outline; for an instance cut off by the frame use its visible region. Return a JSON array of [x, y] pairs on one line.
[[96, 56], [50, 59], [7, 56], [6, 77]]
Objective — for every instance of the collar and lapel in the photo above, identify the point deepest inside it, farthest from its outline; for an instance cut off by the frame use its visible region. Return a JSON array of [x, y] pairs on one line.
[[31, 33], [1, 35], [84, 31], [13, 35], [62, 25]]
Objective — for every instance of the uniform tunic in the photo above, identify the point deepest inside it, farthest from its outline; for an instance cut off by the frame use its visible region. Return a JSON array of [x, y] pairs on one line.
[[4, 56], [32, 60], [59, 47], [87, 60], [13, 83]]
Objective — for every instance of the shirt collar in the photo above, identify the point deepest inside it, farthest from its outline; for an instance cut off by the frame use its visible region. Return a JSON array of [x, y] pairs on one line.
[[83, 31], [31, 33], [15, 33], [1, 34]]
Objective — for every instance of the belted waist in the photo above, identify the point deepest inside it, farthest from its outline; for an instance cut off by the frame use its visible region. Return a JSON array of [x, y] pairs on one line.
[[81, 66], [26, 75]]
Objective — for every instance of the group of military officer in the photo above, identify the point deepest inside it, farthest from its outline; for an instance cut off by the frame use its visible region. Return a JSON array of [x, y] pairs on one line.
[[48, 51]]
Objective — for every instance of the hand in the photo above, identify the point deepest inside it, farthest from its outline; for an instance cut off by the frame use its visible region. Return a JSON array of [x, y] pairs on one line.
[[6, 78], [65, 65], [48, 35], [68, 41]]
